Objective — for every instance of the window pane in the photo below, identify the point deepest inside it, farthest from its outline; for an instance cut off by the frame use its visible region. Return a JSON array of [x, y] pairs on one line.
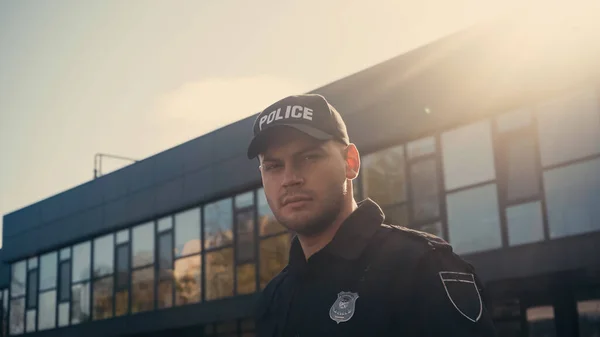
[[473, 222], [165, 294], [32, 288], [187, 280], [5, 323], [164, 224], [142, 287], [30, 321], [17, 315], [384, 178], [65, 281], [81, 261], [245, 236], [121, 303], [103, 298], [143, 245], [425, 196], [267, 224], [572, 197], [541, 321], [17, 283], [103, 256], [123, 236], [521, 173], [468, 156], [63, 314], [514, 120], [219, 274], [274, 254], [525, 224], [569, 127], [48, 270], [80, 303], [589, 318], [246, 279], [421, 147], [396, 215], [47, 309], [165, 251], [187, 232], [218, 224], [122, 267], [65, 253], [32, 263], [244, 200]]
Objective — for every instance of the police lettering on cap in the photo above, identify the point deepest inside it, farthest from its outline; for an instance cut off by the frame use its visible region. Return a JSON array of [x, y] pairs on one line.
[[308, 113]]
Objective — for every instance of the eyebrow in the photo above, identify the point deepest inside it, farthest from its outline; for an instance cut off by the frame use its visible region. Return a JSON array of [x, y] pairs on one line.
[[309, 148]]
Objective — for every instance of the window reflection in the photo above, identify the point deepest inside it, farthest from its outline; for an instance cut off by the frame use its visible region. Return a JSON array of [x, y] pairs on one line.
[[142, 286], [244, 200], [17, 284], [518, 161], [473, 221], [30, 320], [187, 280], [47, 309], [143, 245], [103, 255], [421, 147], [218, 222], [525, 224], [465, 161], [267, 224], [219, 274], [425, 196], [121, 303], [246, 278], [274, 254], [48, 269], [17, 316], [589, 318], [187, 232], [573, 196], [384, 178], [103, 298], [245, 236], [569, 127], [80, 303], [63, 314], [81, 261], [541, 321]]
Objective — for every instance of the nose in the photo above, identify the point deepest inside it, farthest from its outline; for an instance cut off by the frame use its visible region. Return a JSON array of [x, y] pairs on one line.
[[291, 176]]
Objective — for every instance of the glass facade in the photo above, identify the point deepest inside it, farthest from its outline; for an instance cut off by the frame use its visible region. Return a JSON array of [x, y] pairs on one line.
[[516, 178]]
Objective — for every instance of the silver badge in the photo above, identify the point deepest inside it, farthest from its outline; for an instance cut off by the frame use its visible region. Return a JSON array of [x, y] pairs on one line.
[[343, 308], [463, 293]]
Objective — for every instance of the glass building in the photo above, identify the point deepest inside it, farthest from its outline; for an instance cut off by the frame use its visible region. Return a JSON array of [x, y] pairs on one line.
[[495, 152]]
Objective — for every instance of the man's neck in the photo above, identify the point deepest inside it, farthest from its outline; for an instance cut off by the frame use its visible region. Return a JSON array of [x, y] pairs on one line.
[[312, 244]]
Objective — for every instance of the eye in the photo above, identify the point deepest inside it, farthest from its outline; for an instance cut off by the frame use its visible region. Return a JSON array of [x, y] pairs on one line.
[[270, 166]]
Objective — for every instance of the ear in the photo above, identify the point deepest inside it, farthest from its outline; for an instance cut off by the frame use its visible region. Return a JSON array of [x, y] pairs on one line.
[[352, 161]]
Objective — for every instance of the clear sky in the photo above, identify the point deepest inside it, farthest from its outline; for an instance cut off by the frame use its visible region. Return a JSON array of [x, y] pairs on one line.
[[137, 77]]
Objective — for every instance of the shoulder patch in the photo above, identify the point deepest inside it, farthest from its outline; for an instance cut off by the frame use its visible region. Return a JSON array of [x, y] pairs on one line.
[[431, 240]]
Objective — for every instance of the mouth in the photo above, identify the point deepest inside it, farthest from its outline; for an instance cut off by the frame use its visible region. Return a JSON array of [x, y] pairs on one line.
[[295, 200]]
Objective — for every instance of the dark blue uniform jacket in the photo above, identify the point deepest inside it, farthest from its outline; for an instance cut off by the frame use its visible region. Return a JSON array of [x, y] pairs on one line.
[[372, 280]]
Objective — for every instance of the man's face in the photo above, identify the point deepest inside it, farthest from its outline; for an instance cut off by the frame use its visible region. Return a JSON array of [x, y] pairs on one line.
[[304, 180]]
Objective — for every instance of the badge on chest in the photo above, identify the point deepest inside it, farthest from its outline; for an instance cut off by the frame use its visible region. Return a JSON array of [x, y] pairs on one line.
[[344, 306]]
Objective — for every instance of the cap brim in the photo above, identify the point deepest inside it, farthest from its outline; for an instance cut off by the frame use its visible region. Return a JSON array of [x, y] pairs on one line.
[[260, 141]]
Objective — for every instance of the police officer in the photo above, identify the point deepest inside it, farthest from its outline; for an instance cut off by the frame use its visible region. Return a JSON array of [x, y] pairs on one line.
[[350, 273]]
